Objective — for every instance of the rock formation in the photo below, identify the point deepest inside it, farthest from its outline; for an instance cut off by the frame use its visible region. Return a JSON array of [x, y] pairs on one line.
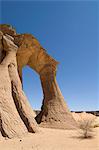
[[16, 115]]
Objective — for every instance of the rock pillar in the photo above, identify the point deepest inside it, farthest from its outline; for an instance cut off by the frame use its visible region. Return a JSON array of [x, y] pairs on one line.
[[54, 112], [16, 115]]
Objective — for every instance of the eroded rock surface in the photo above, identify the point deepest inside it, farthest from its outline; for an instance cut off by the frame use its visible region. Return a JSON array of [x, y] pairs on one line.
[[16, 115]]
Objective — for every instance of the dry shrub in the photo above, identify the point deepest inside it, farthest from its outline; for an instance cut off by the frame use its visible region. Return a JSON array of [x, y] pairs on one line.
[[86, 128]]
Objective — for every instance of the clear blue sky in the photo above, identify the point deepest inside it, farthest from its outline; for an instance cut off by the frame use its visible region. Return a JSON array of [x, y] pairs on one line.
[[69, 31]]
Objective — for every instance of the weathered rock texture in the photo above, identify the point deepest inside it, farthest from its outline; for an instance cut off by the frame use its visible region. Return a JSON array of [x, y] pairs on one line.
[[28, 51], [16, 115]]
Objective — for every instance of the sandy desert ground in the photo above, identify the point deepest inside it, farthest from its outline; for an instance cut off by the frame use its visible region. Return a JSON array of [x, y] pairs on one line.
[[52, 139]]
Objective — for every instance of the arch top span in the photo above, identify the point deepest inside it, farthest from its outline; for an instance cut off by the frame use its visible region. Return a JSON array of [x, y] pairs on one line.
[[31, 53]]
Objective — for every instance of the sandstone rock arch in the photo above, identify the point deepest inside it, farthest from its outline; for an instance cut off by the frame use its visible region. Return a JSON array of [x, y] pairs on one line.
[[16, 51]]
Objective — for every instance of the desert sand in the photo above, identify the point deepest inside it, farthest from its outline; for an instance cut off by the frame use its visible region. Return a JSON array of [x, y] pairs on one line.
[[52, 139]]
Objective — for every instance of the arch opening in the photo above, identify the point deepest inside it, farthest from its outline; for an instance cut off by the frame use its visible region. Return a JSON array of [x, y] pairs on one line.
[[32, 87]]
